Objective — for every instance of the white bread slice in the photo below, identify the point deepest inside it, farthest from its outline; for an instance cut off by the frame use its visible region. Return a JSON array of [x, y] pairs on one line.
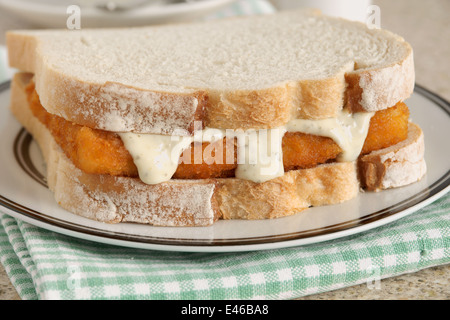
[[239, 73], [396, 166], [180, 202]]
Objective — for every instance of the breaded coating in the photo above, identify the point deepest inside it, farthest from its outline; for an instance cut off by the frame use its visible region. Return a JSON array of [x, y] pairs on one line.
[[387, 127], [101, 152], [302, 150], [208, 160], [91, 150]]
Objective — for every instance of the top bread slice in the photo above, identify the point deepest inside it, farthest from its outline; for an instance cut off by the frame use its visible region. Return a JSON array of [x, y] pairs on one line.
[[239, 73]]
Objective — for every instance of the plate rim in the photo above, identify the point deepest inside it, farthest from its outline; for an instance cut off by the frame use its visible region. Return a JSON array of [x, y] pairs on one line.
[[381, 217]]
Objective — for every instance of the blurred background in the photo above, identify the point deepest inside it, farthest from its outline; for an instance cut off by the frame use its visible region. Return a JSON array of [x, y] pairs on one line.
[[117, 13], [424, 24]]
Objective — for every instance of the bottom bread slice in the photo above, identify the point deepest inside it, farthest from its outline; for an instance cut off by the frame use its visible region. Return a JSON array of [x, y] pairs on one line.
[[395, 166], [181, 202]]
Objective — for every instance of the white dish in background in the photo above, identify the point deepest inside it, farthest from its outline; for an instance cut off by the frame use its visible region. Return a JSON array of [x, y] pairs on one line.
[[53, 14], [24, 195], [347, 9]]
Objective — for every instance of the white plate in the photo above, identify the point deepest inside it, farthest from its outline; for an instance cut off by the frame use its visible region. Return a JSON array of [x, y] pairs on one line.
[[53, 14], [24, 195]]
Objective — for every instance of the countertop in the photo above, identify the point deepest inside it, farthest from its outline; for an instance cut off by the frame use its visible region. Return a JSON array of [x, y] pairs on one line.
[[426, 26]]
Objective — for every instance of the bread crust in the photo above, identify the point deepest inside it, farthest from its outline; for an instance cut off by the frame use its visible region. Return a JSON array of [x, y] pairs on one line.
[[297, 190], [395, 166], [377, 89], [117, 107], [120, 108]]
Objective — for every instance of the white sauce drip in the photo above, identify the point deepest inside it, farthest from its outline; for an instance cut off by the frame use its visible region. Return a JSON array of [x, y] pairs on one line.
[[259, 152], [153, 154], [348, 130]]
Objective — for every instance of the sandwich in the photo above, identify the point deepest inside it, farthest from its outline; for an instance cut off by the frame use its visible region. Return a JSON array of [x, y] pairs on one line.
[[255, 117]]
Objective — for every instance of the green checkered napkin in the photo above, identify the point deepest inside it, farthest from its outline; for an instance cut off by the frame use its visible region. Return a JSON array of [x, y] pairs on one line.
[[46, 265]]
